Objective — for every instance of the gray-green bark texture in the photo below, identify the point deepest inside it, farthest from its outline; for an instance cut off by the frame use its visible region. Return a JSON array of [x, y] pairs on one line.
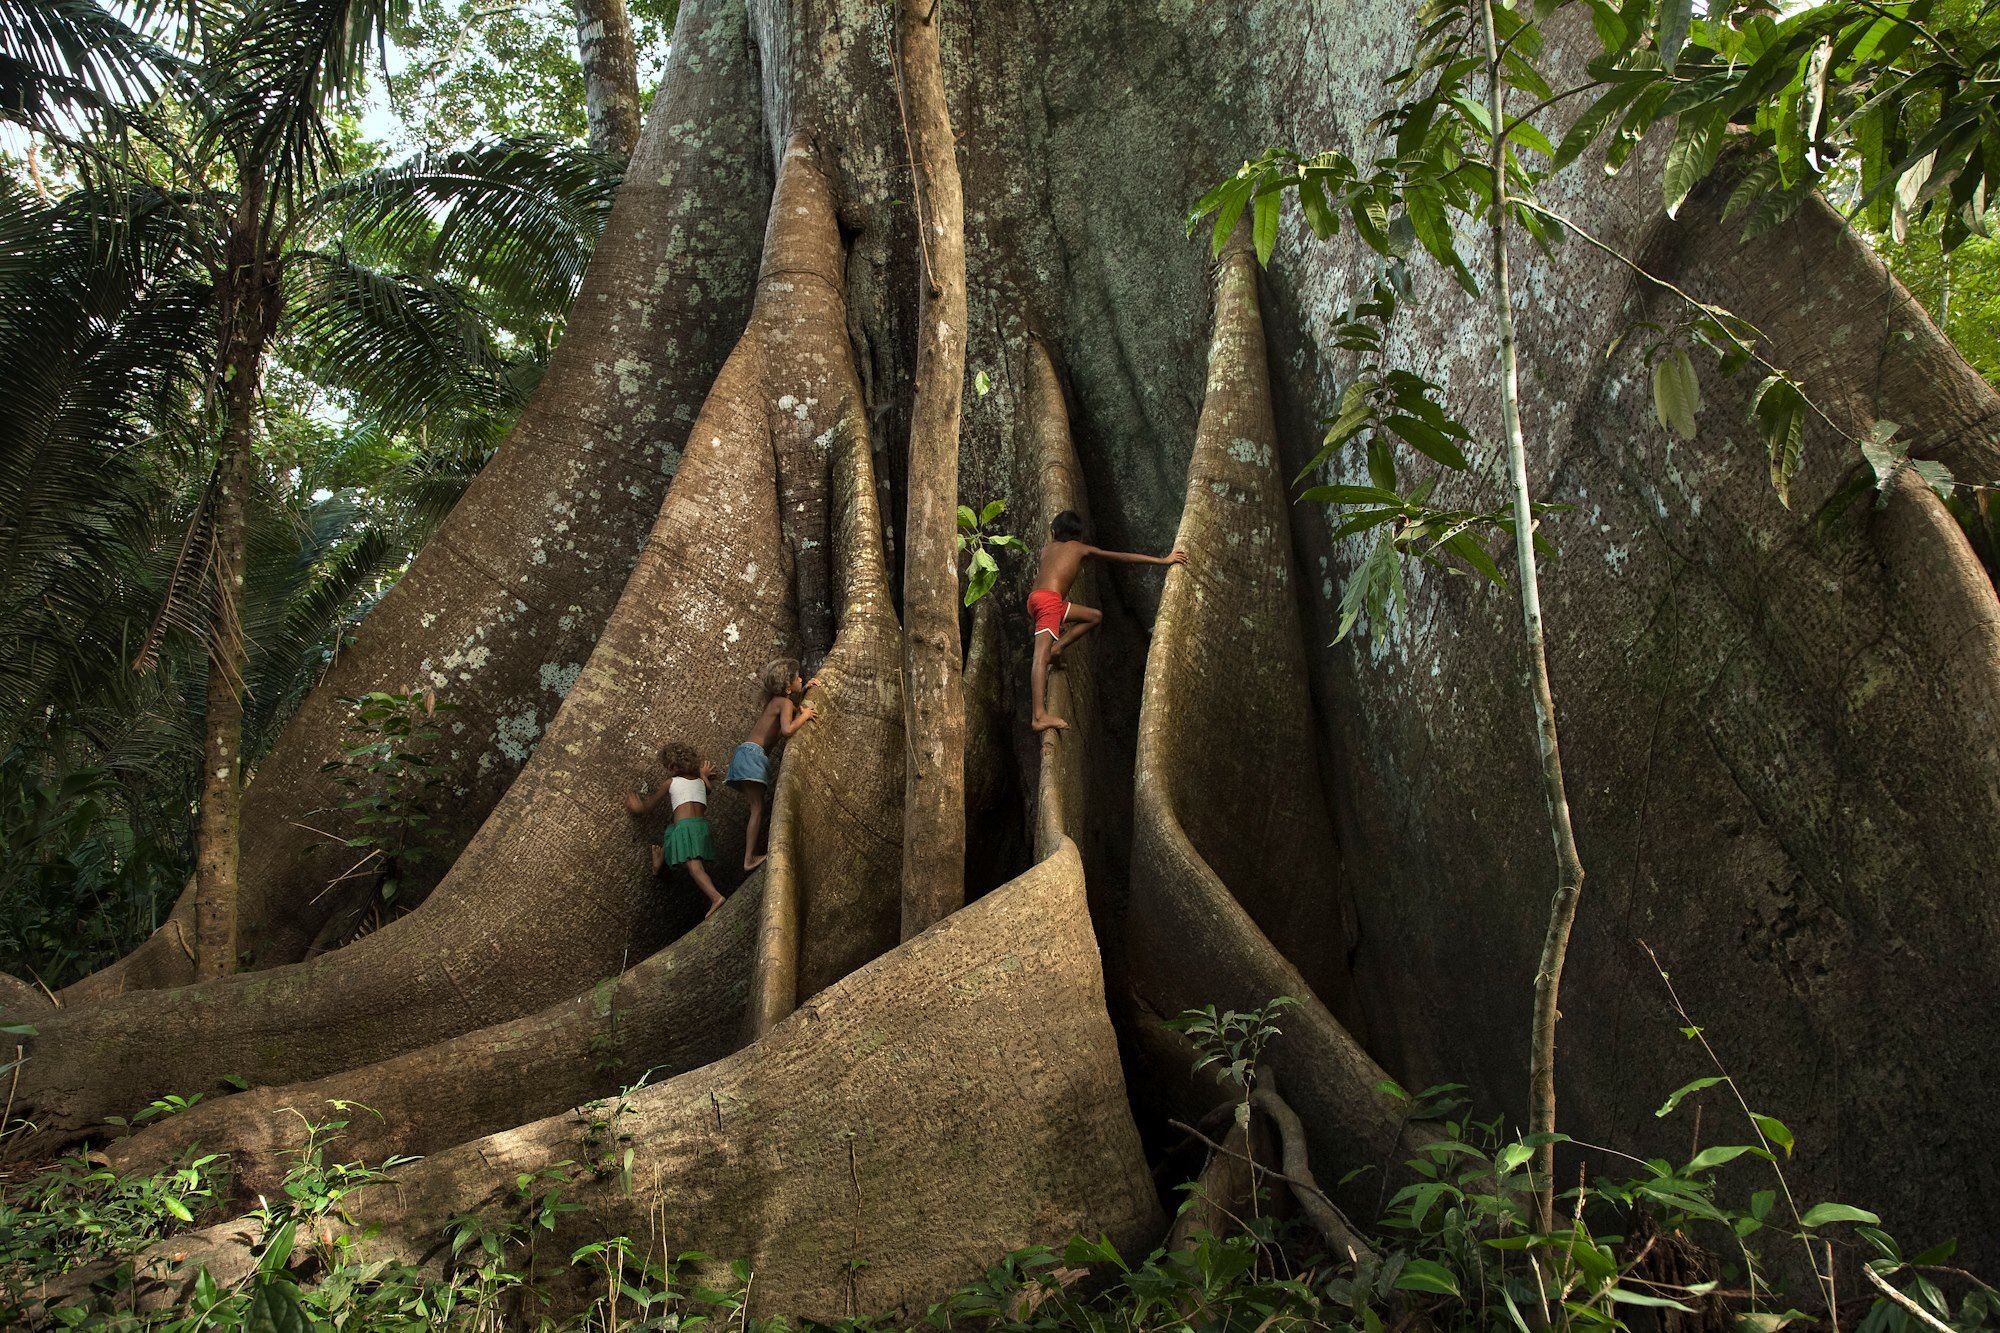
[[1783, 725]]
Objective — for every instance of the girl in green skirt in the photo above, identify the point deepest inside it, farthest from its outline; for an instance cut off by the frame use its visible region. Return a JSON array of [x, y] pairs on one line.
[[687, 841]]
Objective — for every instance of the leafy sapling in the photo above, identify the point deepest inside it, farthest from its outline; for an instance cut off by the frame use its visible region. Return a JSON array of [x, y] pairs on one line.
[[977, 541]]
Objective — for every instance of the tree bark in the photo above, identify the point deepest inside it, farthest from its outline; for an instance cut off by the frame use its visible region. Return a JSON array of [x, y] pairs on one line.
[[248, 299], [610, 63], [934, 689]]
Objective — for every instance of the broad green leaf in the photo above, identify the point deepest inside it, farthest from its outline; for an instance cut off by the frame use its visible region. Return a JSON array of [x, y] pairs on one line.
[[1671, 36], [176, 1207], [1820, 1214], [1428, 440], [967, 519], [1427, 212], [274, 1308], [1775, 1131], [1683, 1091], [1512, 1157], [982, 384], [1264, 224], [1697, 140], [1779, 410], [1709, 1158], [1381, 464], [1427, 1275], [1583, 131], [1676, 392], [993, 510]]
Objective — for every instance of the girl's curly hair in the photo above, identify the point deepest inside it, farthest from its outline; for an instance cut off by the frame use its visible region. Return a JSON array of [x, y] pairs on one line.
[[680, 760]]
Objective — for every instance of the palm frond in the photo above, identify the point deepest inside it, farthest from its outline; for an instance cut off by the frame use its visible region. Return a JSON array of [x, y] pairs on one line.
[[411, 348], [62, 61], [516, 217], [281, 67]]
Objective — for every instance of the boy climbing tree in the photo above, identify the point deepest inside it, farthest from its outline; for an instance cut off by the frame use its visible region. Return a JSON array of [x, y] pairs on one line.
[[1060, 619]]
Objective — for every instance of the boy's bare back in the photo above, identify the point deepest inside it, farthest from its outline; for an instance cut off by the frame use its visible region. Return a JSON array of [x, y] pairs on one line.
[[1061, 562]]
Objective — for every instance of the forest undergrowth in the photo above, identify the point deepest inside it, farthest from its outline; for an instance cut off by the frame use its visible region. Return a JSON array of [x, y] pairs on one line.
[[1717, 1241]]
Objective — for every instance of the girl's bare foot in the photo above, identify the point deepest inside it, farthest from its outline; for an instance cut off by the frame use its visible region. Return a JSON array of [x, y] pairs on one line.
[[659, 859], [1049, 722], [752, 862], [711, 909]]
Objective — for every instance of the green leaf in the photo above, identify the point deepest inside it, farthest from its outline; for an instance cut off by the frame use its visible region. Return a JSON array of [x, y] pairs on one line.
[[1676, 392], [1428, 440], [1774, 1130], [1684, 1090], [1427, 212], [1264, 225], [1697, 141], [176, 1207], [21, 1030], [1710, 1158], [1626, 1296], [1671, 35], [967, 519], [274, 1308], [1820, 1214], [1765, 1321], [982, 384], [1512, 1157], [1381, 465], [1779, 410], [992, 511], [1427, 1275]]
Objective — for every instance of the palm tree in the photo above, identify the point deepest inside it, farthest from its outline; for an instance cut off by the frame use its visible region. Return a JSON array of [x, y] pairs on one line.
[[203, 238]]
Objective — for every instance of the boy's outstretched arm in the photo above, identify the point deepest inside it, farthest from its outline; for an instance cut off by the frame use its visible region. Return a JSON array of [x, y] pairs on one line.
[[793, 716], [1135, 558]]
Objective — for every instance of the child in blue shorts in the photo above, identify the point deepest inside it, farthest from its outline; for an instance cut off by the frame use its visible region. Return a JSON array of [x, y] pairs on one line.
[[687, 840], [750, 767]]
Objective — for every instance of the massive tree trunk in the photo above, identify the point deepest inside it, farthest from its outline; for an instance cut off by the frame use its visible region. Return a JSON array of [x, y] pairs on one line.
[[610, 62], [1784, 732]]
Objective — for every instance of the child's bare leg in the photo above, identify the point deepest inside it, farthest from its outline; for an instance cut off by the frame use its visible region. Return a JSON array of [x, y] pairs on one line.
[[1081, 620], [699, 874], [1039, 687], [659, 858], [752, 858]]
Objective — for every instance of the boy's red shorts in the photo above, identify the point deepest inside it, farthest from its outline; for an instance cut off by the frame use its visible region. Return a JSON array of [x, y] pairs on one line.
[[1049, 610]]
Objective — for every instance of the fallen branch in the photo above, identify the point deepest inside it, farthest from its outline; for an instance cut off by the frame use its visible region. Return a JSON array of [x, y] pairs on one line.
[[1924, 1316]]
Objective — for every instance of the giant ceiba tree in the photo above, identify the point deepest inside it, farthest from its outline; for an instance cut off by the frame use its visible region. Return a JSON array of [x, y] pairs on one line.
[[1781, 722]]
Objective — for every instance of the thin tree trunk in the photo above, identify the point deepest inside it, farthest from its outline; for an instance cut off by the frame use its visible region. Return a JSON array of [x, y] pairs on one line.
[[1569, 874], [246, 310], [934, 690], [610, 74]]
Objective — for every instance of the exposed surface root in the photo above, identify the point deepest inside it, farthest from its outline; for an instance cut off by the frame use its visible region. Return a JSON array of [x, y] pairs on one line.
[[673, 1012], [1054, 484], [816, 1155], [1230, 825], [505, 602]]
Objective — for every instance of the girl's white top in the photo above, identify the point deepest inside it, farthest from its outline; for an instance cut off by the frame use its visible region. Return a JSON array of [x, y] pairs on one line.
[[682, 790]]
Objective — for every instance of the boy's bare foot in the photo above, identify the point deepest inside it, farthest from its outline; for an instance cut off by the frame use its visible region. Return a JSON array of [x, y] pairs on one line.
[[1049, 722], [752, 862]]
